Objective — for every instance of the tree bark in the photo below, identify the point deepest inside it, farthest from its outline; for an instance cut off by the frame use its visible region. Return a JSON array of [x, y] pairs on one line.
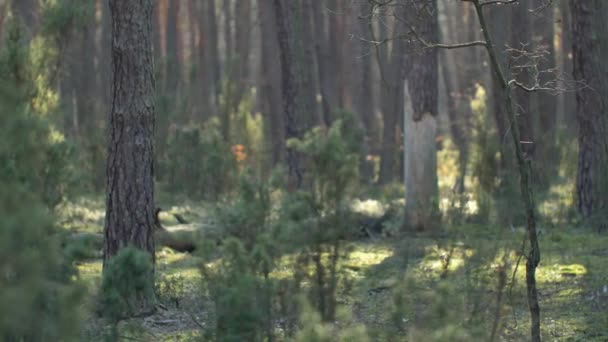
[[291, 87], [271, 81], [525, 177], [421, 125], [214, 54], [364, 99], [545, 104], [326, 68], [590, 51], [392, 70], [130, 163]]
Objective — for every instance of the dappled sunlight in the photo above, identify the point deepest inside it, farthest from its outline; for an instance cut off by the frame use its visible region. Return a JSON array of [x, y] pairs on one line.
[[82, 215], [369, 207]]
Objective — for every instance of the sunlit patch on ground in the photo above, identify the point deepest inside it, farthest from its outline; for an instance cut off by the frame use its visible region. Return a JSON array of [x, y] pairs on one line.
[[572, 279], [368, 207]]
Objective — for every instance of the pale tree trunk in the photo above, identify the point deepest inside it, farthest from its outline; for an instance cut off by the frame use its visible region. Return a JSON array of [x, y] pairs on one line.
[[421, 126], [130, 163], [420, 159], [590, 51]]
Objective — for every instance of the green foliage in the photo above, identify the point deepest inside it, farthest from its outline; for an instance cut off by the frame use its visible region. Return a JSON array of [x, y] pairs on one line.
[[171, 288], [37, 280], [318, 220], [199, 163], [248, 217], [313, 329], [61, 17], [241, 289], [32, 151], [126, 284], [239, 285]]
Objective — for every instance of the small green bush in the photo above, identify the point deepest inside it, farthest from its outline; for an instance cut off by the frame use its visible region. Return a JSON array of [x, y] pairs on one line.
[[126, 284], [199, 163]]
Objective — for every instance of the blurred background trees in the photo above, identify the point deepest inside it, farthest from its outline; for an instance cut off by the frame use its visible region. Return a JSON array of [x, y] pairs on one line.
[[218, 64], [341, 92]]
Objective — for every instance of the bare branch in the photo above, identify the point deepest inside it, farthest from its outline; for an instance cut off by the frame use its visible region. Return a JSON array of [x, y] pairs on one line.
[[496, 2]]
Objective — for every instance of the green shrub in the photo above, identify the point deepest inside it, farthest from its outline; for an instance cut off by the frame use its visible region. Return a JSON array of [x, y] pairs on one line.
[[126, 284], [39, 296], [199, 163], [39, 300]]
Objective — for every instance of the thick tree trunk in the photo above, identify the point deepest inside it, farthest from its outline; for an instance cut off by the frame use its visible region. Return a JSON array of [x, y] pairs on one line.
[[130, 163], [421, 127], [271, 81], [291, 87], [590, 51]]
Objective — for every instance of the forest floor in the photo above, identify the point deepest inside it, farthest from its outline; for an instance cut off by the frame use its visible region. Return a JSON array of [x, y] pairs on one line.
[[572, 281]]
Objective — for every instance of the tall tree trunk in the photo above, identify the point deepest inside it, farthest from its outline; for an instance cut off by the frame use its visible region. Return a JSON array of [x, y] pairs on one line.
[[499, 26], [105, 57], [307, 63], [214, 54], [242, 52], [520, 34], [364, 98], [326, 68], [545, 104], [590, 51], [391, 68], [229, 71], [172, 38], [323, 62], [130, 163], [291, 86], [271, 81], [421, 125]]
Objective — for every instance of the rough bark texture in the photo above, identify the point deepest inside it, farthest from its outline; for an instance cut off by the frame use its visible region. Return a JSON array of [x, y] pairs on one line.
[[271, 81], [290, 87], [421, 125], [590, 51], [130, 167]]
